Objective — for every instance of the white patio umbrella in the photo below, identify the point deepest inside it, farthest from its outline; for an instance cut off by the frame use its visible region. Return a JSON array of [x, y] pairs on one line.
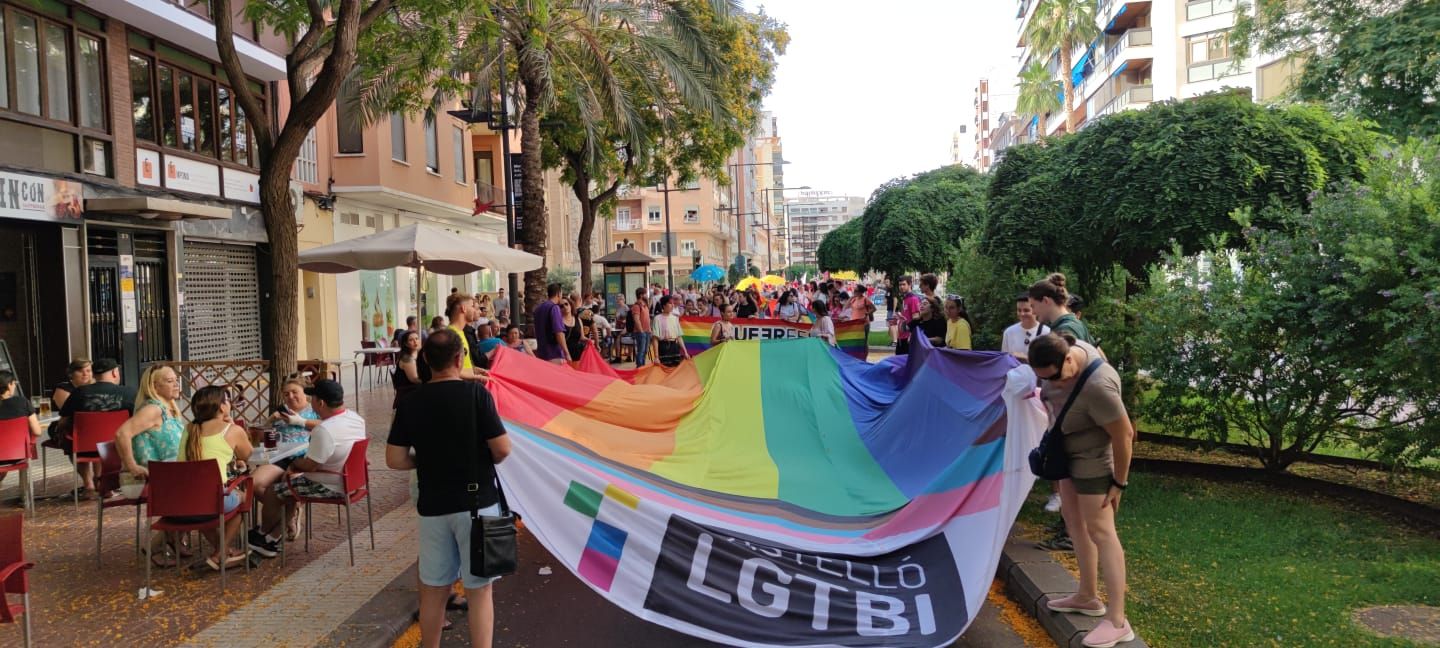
[[419, 246]]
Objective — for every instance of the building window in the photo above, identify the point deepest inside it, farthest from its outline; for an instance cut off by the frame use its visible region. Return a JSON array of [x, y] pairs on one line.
[[692, 214], [27, 63], [687, 248], [432, 144], [349, 131], [141, 98], [307, 167], [57, 72], [458, 144], [653, 215], [623, 221], [657, 248], [397, 137], [1209, 57], [1206, 8], [90, 83]]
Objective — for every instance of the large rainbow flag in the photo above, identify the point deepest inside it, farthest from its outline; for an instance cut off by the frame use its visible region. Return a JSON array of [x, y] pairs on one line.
[[776, 493], [850, 335]]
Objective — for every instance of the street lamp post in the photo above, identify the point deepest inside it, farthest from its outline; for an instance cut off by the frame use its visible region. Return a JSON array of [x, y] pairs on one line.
[[735, 193], [770, 244], [665, 188]]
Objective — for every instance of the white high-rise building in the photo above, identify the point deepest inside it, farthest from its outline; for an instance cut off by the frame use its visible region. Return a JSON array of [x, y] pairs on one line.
[[1153, 50]]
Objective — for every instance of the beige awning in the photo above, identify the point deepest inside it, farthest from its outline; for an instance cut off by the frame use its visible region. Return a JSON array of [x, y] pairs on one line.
[[158, 208]]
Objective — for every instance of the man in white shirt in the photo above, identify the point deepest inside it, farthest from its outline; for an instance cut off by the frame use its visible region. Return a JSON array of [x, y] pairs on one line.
[[1018, 337], [330, 444]]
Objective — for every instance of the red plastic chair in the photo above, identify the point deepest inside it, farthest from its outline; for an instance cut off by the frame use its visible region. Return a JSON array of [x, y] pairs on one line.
[[182, 492], [16, 446], [355, 483], [107, 482], [13, 579], [90, 430]]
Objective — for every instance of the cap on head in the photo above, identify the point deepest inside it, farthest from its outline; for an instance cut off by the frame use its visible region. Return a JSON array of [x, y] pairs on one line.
[[328, 391], [104, 366]]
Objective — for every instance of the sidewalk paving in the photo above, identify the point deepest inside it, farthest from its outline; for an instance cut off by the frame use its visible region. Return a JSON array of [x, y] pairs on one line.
[[76, 603]]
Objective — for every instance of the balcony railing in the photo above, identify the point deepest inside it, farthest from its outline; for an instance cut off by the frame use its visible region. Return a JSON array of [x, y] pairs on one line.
[[627, 225], [1132, 38], [1212, 70], [1132, 96]]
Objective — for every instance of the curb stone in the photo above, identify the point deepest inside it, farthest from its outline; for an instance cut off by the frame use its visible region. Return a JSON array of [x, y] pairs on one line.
[[382, 619], [1031, 578]]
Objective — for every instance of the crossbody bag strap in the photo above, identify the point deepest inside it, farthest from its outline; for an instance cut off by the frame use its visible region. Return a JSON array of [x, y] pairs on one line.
[[1079, 384], [473, 486]]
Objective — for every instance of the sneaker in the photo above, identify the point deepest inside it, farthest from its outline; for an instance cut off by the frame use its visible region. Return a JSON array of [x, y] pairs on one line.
[[1060, 542], [1073, 604], [1106, 635], [262, 545], [1053, 504]]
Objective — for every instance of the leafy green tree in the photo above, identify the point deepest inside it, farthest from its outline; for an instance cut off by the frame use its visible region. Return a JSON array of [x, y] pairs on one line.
[[331, 42], [677, 139], [796, 272], [916, 223], [1066, 26], [1375, 60], [840, 249], [1314, 333], [1038, 93], [587, 52]]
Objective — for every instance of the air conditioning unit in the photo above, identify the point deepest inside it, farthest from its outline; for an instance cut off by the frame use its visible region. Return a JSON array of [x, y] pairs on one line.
[[297, 201], [94, 159]]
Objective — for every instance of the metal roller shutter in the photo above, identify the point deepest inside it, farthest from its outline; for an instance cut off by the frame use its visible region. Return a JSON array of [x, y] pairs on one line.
[[222, 302]]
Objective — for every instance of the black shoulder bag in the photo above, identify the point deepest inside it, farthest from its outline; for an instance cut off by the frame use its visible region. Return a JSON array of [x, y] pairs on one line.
[[492, 538], [1049, 461]]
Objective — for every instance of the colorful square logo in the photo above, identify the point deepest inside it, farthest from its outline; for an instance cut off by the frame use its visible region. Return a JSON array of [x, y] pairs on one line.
[[601, 557]]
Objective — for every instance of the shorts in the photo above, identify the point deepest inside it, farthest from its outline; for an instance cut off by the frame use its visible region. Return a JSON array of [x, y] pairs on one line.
[[305, 488], [232, 500], [445, 549], [1091, 485]]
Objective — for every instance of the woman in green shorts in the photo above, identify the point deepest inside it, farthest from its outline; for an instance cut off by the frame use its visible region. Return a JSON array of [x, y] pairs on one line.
[[1098, 437]]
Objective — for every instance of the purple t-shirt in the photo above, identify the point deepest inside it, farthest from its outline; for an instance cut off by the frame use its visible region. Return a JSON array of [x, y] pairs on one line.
[[548, 322]]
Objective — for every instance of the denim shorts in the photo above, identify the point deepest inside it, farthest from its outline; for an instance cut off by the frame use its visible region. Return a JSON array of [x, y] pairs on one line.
[[232, 500], [445, 549]]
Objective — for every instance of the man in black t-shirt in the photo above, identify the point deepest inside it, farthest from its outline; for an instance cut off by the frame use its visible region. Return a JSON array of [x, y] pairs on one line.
[[106, 394], [457, 438]]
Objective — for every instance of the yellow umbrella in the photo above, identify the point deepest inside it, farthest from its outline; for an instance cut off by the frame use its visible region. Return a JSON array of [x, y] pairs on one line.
[[772, 280], [847, 275], [746, 283]]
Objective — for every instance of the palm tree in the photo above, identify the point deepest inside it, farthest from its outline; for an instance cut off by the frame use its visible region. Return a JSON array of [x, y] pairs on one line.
[[589, 53], [1038, 92], [1064, 25]]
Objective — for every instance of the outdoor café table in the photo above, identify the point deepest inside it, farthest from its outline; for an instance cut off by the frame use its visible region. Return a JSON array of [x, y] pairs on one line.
[[262, 455], [370, 355]]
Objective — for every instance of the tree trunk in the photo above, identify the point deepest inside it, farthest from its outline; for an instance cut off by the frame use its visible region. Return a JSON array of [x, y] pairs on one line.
[[285, 273], [535, 232], [1068, 82], [585, 236]]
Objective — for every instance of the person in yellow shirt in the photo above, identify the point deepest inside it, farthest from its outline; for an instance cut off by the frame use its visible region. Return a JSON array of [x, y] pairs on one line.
[[957, 325]]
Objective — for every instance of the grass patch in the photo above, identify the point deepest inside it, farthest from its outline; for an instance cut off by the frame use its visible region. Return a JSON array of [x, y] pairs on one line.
[[879, 338], [1215, 564]]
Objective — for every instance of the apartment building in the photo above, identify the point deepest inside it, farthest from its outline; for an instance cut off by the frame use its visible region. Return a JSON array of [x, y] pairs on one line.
[[1153, 50], [129, 225], [812, 215], [983, 158], [701, 226]]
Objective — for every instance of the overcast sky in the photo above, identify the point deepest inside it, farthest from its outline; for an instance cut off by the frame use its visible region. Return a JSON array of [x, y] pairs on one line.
[[869, 91]]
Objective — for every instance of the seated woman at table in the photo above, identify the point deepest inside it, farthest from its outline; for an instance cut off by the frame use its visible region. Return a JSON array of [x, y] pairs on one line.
[[14, 406], [151, 434], [214, 436], [78, 374], [296, 419]]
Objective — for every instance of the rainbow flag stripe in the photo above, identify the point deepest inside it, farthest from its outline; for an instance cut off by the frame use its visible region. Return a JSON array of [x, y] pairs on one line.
[[850, 336]]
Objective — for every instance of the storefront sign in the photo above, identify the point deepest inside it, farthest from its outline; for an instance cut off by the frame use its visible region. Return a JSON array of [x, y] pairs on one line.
[[188, 175], [242, 186], [129, 322], [147, 167], [38, 198]]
